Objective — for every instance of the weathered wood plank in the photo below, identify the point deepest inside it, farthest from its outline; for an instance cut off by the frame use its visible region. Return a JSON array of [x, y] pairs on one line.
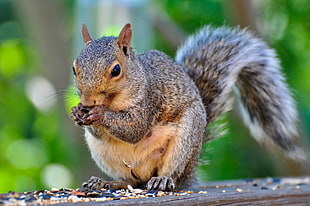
[[270, 191], [285, 191]]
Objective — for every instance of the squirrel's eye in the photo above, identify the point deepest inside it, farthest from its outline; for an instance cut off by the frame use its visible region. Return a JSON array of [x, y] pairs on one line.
[[73, 69], [116, 71]]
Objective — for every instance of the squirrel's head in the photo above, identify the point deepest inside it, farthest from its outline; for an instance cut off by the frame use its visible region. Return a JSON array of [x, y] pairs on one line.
[[103, 71]]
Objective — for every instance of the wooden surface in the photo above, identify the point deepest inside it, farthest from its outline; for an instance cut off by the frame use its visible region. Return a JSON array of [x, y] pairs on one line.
[[270, 191]]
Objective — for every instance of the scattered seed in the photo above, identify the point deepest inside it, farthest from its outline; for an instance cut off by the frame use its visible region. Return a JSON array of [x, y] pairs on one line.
[[130, 188], [93, 194], [137, 191], [269, 180], [63, 195], [124, 198], [161, 193], [74, 199], [247, 180]]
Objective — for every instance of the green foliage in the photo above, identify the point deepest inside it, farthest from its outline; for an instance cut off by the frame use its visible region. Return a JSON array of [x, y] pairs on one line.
[[192, 15], [12, 58], [30, 139], [292, 43], [71, 98]]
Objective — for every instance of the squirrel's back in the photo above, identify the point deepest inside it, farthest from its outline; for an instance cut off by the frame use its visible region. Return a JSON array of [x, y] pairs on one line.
[[168, 80]]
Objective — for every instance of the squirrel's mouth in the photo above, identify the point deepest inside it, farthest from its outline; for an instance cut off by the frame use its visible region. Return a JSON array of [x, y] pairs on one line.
[[102, 99]]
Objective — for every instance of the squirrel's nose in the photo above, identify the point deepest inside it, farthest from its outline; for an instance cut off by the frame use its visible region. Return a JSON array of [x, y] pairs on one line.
[[89, 101]]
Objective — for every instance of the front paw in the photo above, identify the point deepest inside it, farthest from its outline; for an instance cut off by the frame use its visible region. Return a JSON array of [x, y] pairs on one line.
[[80, 114], [95, 115], [161, 183], [96, 183]]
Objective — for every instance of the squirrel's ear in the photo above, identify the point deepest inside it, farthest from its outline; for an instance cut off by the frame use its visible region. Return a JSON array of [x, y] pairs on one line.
[[86, 37], [124, 38]]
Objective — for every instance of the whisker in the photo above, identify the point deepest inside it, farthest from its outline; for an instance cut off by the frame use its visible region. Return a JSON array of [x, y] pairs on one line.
[[71, 98]]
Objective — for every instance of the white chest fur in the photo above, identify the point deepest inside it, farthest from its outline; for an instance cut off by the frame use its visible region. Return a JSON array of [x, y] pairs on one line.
[[131, 162]]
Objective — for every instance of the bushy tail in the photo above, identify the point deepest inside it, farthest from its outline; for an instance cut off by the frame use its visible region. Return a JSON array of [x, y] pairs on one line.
[[222, 59]]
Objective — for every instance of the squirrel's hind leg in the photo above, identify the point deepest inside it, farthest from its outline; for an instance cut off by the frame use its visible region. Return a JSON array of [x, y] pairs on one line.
[[179, 161]]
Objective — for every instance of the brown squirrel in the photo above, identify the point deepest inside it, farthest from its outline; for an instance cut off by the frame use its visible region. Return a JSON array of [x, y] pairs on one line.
[[145, 114]]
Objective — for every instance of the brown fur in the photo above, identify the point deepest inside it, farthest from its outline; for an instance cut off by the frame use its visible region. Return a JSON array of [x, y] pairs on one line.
[[146, 125]]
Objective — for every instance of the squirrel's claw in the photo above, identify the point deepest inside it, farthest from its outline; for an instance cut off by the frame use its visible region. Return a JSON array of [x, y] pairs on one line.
[[161, 183], [96, 183], [80, 114], [76, 119], [95, 115]]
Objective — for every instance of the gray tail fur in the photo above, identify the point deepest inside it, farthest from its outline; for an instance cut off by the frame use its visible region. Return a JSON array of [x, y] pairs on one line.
[[220, 60]]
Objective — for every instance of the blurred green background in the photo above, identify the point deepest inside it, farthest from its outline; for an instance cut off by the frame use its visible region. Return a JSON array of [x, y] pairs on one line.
[[40, 147]]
